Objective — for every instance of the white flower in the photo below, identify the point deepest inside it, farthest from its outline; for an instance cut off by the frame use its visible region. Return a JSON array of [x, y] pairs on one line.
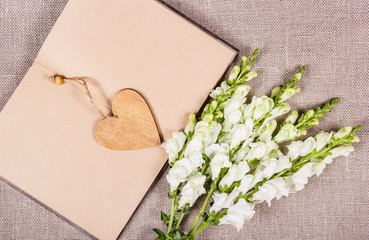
[[343, 132], [223, 200], [191, 124], [297, 181], [319, 165], [235, 173], [194, 153], [193, 189], [249, 181], [232, 111], [241, 154], [220, 90], [179, 172], [283, 163], [237, 214], [288, 93], [219, 158], [241, 92], [279, 110], [288, 131], [343, 150], [240, 132], [300, 148], [266, 130], [262, 106], [322, 139], [275, 188], [207, 132], [174, 145], [260, 149]]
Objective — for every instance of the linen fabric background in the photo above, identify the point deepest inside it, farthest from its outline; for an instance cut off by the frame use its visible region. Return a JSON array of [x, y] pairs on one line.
[[330, 37]]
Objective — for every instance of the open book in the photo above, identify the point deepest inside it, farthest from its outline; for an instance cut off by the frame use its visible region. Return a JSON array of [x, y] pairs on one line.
[[47, 147]]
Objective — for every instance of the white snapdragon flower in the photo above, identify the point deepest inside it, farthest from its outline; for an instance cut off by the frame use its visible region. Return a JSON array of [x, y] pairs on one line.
[[258, 107], [237, 214], [301, 148], [266, 130], [270, 166], [322, 139], [260, 149], [297, 181], [223, 200], [207, 132], [219, 158], [220, 90], [193, 152], [343, 132], [174, 145], [191, 124], [275, 188], [232, 111], [235, 173], [288, 131], [288, 93], [249, 181], [241, 154], [193, 189], [240, 132], [343, 150], [319, 165], [279, 110], [179, 172], [262, 106], [241, 92]]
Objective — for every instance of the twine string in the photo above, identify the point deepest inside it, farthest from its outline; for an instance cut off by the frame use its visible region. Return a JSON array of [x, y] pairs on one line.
[[79, 80]]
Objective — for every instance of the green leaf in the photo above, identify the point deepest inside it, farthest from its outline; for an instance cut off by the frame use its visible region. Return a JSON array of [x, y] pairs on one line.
[[301, 118], [244, 62], [205, 216], [165, 218], [160, 233]]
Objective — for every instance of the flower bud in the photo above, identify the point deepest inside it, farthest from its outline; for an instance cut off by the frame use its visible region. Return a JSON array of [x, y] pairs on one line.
[[312, 122], [191, 124], [208, 117], [309, 114], [241, 91], [276, 91], [234, 74], [288, 93], [301, 132], [292, 118], [343, 132], [213, 106], [280, 109], [288, 131], [319, 115]]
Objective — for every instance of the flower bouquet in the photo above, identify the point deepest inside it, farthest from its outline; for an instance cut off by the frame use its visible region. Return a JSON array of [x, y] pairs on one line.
[[231, 153]]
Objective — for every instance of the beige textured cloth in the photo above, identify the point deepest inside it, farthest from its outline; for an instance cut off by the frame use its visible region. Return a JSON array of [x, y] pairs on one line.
[[329, 37]]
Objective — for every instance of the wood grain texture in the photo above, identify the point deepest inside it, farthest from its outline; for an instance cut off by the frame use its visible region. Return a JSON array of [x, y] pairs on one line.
[[132, 127]]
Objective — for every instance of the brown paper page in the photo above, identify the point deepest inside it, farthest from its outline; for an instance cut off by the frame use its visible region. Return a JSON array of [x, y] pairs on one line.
[[47, 146]]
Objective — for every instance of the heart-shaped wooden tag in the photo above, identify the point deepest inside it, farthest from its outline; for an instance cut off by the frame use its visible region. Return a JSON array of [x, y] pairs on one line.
[[132, 127]]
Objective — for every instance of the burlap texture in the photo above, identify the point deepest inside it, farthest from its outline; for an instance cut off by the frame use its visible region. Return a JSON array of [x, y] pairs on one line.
[[329, 37]]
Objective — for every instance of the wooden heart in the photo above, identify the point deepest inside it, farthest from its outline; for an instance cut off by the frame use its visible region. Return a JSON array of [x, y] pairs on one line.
[[132, 126]]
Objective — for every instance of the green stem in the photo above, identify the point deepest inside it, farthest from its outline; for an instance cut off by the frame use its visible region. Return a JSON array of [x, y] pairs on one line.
[[180, 218], [201, 227], [202, 208], [172, 212]]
